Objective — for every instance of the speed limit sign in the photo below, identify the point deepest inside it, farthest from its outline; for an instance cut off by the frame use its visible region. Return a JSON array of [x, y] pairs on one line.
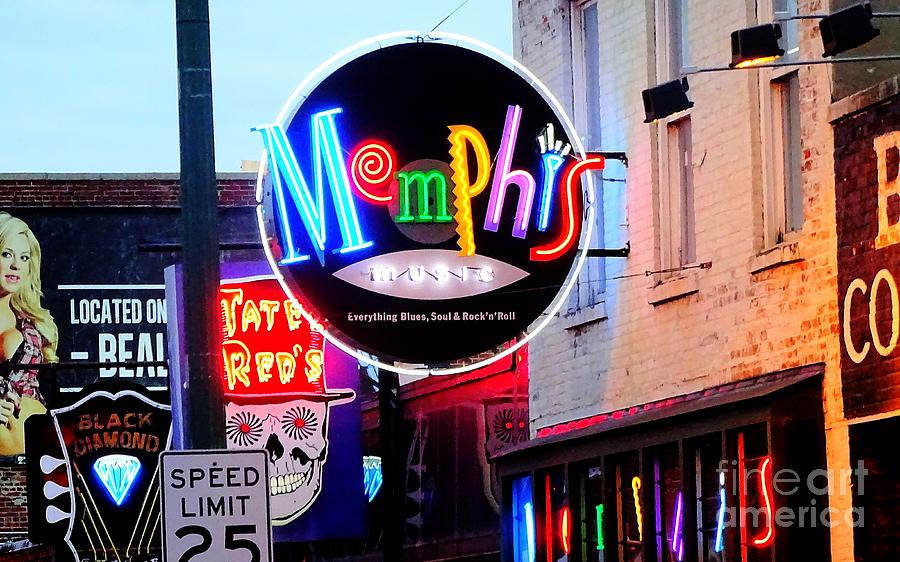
[[215, 506]]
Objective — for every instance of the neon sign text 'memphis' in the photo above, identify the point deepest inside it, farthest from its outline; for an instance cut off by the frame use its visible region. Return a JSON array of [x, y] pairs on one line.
[[373, 168]]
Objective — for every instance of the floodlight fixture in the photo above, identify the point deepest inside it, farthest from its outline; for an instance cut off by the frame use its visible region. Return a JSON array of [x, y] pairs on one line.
[[666, 99], [847, 29], [756, 45]]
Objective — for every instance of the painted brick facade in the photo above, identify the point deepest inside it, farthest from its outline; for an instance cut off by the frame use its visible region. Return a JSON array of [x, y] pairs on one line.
[[30, 191], [759, 308]]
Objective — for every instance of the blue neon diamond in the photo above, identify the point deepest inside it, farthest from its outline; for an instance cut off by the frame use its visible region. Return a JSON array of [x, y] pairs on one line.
[[117, 473]]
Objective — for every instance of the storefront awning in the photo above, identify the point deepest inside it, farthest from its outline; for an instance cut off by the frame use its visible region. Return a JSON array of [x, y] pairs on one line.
[[715, 398]]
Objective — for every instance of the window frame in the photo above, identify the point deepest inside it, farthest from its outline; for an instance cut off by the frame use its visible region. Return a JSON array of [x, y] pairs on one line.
[[777, 180], [595, 270], [670, 194]]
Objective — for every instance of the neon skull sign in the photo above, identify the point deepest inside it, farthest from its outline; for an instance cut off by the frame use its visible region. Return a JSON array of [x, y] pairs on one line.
[[426, 200], [275, 389]]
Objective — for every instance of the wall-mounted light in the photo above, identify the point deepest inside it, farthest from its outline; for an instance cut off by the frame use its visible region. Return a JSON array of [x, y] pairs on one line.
[[666, 99], [755, 45], [847, 29]]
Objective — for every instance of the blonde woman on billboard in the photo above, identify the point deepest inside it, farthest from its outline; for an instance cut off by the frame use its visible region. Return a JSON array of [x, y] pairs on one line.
[[28, 335]]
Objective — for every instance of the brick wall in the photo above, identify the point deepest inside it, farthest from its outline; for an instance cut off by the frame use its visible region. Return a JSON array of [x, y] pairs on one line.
[[758, 309], [743, 319], [13, 510], [115, 190]]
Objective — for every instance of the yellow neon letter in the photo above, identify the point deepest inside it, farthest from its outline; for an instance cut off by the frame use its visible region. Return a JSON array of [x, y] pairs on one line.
[[264, 362], [230, 299], [250, 316], [237, 363], [269, 308], [463, 188]]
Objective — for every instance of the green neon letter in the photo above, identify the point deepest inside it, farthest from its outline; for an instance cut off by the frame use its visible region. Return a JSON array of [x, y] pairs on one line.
[[600, 545], [422, 180]]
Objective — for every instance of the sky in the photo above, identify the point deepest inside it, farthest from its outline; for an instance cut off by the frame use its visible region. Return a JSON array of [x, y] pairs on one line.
[[91, 87]]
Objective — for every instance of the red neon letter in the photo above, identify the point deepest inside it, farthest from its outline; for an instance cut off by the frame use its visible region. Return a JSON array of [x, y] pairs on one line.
[[372, 167], [570, 204], [564, 530], [764, 486]]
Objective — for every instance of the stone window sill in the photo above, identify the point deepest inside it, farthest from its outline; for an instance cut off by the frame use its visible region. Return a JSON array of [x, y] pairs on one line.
[[781, 254], [673, 288], [584, 316]]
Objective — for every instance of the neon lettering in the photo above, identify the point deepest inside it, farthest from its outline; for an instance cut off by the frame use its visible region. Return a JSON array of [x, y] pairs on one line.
[[720, 518], [294, 314], [250, 316], [677, 538], [504, 176], [565, 530], [570, 204], [314, 361], [529, 529], [237, 363], [765, 483], [269, 308], [635, 491], [286, 174], [372, 167], [422, 180], [231, 298], [464, 189], [550, 164], [264, 362], [600, 544]]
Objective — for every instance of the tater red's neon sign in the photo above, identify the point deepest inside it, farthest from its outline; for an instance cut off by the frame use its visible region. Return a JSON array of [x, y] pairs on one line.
[[268, 347]]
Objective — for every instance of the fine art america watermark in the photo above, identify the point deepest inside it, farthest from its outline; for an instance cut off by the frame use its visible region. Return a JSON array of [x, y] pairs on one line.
[[814, 487]]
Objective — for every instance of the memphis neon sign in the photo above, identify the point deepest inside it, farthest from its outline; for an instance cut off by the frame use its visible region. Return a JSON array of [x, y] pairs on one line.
[[377, 199], [373, 167]]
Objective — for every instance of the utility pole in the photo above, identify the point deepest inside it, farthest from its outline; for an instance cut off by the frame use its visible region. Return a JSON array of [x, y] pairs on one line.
[[392, 469], [203, 402]]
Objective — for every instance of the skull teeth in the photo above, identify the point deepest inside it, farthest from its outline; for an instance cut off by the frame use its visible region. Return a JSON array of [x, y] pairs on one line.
[[285, 484]]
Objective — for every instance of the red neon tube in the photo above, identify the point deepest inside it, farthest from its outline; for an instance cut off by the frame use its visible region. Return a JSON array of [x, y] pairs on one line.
[[765, 484], [548, 519]]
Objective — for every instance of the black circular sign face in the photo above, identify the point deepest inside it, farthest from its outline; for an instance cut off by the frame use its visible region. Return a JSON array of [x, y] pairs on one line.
[[423, 202]]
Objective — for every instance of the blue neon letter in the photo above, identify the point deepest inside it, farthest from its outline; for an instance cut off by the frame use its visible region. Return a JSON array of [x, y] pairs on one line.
[[550, 163], [327, 154]]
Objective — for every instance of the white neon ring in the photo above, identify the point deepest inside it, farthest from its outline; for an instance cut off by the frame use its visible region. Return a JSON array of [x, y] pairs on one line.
[[389, 39]]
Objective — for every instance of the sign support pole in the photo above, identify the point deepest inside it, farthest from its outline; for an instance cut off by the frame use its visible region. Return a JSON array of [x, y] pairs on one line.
[[203, 402], [392, 469]]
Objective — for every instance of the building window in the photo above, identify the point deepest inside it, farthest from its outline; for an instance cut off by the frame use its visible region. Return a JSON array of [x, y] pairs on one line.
[[780, 108], [587, 101], [677, 233], [677, 230]]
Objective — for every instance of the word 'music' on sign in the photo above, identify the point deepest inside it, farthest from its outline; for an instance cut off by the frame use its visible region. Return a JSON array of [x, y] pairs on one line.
[[425, 229]]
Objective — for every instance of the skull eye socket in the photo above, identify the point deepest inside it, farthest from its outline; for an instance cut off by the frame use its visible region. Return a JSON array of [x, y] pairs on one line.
[[299, 422], [244, 428]]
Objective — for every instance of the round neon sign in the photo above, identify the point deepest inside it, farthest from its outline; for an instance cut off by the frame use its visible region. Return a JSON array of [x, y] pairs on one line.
[[425, 199]]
